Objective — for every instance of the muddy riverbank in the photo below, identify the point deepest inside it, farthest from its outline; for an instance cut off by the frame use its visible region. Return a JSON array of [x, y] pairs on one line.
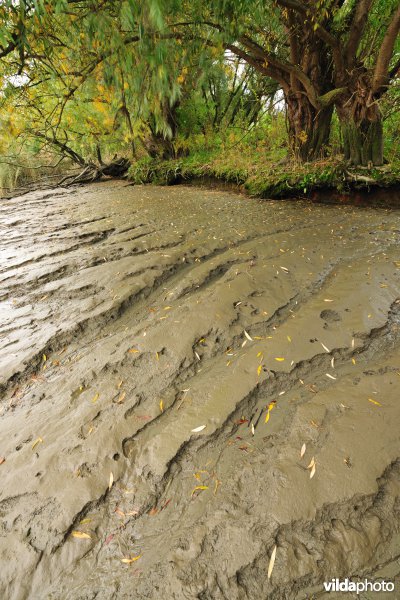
[[175, 364]]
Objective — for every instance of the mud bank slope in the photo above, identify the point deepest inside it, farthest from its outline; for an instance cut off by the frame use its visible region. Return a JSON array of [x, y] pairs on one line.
[[131, 316]]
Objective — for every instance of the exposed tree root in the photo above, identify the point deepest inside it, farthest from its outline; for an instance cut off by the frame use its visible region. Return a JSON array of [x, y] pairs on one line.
[[92, 172]]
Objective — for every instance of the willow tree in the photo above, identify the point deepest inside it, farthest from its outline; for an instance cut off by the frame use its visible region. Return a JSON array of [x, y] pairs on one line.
[[323, 53]]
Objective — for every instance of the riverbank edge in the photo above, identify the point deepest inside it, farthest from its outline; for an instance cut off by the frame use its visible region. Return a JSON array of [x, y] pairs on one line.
[[328, 181]]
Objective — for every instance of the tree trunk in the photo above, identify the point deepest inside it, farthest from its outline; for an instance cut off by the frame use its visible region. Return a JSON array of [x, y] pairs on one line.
[[160, 144], [363, 142], [309, 128], [361, 123]]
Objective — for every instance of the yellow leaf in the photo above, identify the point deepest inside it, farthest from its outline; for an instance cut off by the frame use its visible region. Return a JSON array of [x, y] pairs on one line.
[[84, 521], [353, 360], [289, 339], [128, 561], [44, 358], [199, 487], [133, 350], [95, 398], [271, 562], [259, 369], [81, 535], [374, 402], [312, 463], [267, 417], [111, 481], [279, 359], [38, 441], [121, 398], [161, 406]]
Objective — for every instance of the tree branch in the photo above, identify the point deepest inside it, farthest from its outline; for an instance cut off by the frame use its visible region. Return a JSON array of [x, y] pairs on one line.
[[381, 74], [357, 29]]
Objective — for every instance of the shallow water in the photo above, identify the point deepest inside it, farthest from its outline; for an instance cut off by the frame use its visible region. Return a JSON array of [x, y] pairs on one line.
[[131, 316]]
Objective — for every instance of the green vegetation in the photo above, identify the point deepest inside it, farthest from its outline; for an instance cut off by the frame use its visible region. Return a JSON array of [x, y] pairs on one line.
[[280, 96]]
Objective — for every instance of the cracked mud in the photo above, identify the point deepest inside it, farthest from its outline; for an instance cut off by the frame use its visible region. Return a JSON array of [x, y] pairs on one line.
[[131, 316]]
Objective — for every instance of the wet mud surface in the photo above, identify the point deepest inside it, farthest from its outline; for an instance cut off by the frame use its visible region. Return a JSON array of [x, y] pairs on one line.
[[131, 316]]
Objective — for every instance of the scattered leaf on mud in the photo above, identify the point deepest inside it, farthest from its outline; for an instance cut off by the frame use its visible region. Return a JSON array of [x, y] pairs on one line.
[[302, 451], [248, 336], [312, 473], [199, 488], [252, 429], [197, 429], [271, 562], [157, 356], [2, 460], [353, 360], [375, 402], [289, 339], [330, 376], [81, 535], [130, 560], [279, 359], [285, 269], [108, 539], [44, 358], [121, 398], [36, 442], [119, 384], [197, 355], [111, 481], [312, 463], [259, 369], [95, 398], [324, 347], [267, 417], [84, 521], [133, 350], [161, 406], [327, 300]]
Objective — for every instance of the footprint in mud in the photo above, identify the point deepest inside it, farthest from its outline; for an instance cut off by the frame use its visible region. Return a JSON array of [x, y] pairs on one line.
[[330, 316]]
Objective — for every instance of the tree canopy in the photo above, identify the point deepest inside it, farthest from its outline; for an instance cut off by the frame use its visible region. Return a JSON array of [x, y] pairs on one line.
[[81, 76]]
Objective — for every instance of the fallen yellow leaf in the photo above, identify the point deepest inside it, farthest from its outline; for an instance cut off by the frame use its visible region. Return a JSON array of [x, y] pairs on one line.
[[271, 562], [128, 561], [200, 488], [81, 535], [35, 443], [375, 402]]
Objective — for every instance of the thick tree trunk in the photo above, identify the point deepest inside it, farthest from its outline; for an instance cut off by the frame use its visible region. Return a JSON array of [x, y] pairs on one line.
[[309, 128], [361, 123], [363, 142], [158, 144]]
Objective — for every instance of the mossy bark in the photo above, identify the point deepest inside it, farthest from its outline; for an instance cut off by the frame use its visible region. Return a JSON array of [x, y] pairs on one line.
[[309, 128], [363, 142]]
